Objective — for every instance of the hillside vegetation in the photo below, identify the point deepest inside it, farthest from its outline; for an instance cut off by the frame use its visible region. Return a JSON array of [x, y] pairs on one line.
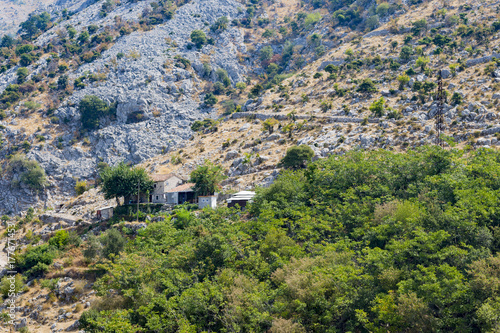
[[326, 108], [369, 241]]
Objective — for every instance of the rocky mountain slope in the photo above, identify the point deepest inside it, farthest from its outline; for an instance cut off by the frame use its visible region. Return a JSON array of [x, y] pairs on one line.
[[147, 68], [15, 12], [334, 75]]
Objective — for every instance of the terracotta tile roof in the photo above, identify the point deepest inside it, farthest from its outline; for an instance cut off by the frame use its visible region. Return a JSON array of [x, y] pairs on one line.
[[182, 188], [161, 177]]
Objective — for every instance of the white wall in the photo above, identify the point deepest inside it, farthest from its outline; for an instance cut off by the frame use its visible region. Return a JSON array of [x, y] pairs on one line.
[[204, 201]]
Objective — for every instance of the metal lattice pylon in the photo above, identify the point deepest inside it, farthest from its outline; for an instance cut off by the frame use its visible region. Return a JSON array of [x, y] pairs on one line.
[[439, 114]]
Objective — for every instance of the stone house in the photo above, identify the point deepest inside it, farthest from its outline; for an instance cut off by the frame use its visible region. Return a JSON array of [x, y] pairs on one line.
[[162, 184]]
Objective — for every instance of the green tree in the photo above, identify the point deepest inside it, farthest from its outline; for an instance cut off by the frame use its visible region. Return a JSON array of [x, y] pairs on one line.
[[394, 44], [83, 37], [26, 59], [22, 74], [6, 285], [220, 24], [29, 172], [297, 157], [223, 77], [377, 107], [349, 53], [241, 86], [62, 82], [268, 125], [207, 178], [315, 39], [71, 31], [199, 38], [112, 242], [419, 26], [60, 239], [406, 53], [124, 181], [266, 53], [7, 41], [210, 99], [382, 9], [331, 68], [35, 25], [91, 109], [81, 187], [456, 98], [403, 81], [256, 89], [36, 260], [268, 33], [372, 22], [367, 86], [422, 62], [93, 248]]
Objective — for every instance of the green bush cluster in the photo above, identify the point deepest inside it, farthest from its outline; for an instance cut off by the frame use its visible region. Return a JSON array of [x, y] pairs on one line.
[[27, 172], [92, 109], [368, 241]]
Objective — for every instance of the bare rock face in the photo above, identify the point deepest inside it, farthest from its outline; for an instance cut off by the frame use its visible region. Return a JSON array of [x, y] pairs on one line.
[[156, 97]]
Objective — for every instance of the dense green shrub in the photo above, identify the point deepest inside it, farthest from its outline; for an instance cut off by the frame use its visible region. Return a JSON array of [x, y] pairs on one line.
[[266, 53], [60, 239], [367, 241], [6, 285], [202, 125], [456, 98], [377, 107], [28, 172], [81, 187], [220, 24], [367, 86], [22, 73], [199, 38], [297, 157], [92, 108], [210, 99], [36, 260]]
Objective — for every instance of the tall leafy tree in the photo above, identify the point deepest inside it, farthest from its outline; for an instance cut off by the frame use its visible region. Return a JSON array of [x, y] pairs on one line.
[[123, 180], [297, 156], [207, 178]]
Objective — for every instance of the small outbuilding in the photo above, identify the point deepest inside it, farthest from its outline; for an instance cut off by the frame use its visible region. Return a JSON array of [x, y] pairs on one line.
[[181, 194], [240, 198], [105, 213], [207, 200]]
